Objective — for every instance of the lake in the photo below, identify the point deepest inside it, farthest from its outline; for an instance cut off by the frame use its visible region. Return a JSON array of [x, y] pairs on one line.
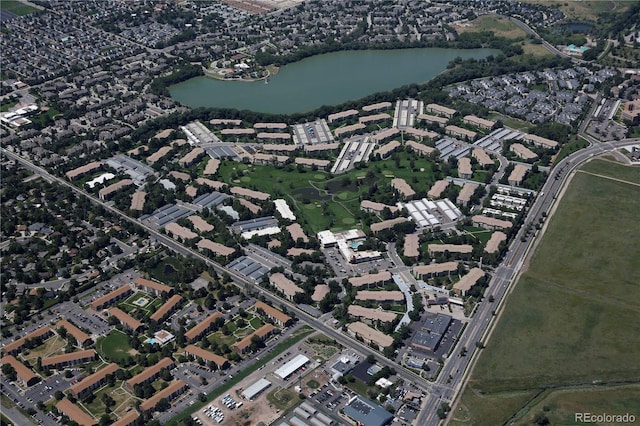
[[326, 79]]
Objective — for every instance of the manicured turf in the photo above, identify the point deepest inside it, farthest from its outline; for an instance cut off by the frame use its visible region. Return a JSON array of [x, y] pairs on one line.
[[115, 346], [574, 317], [16, 7], [324, 202]]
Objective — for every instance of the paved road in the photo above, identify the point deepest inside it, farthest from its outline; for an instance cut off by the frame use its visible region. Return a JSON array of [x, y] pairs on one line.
[[457, 369]]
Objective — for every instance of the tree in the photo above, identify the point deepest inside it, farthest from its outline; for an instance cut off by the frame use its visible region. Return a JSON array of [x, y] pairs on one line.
[[58, 395], [9, 372]]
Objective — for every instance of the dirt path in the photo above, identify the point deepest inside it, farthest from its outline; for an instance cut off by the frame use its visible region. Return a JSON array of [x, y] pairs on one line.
[[610, 178]]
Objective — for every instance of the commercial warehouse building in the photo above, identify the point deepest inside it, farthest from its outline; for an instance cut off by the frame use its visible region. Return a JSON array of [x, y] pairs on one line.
[[255, 389], [291, 367]]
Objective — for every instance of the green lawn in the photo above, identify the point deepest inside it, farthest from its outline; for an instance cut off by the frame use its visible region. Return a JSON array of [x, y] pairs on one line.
[[325, 202], [574, 317], [115, 346], [500, 26], [16, 7]]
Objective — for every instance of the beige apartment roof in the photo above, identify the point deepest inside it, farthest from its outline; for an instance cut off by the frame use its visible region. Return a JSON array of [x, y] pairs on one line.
[[384, 134], [438, 188], [138, 150], [270, 126], [191, 156], [540, 141], [380, 296], [322, 147], [518, 173], [480, 122], [274, 136], [201, 327], [238, 131], [435, 268], [370, 334], [412, 245], [377, 278], [212, 167], [191, 191], [466, 192], [294, 251], [377, 207], [451, 248], [388, 148], [469, 280], [320, 292], [143, 282], [214, 184], [439, 109], [225, 121], [137, 200], [151, 403], [348, 129], [285, 285], [522, 151], [341, 115], [94, 378], [115, 187], [217, 248], [312, 162], [150, 372], [464, 166], [482, 156], [237, 190], [75, 413], [373, 118], [433, 118], [253, 208], [200, 224], [387, 224], [205, 355], [259, 156], [125, 318], [110, 296], [272, 312], [77, 334], [455, 130], [24, 373], [162, 134], [421, 148], [495, 240], [377, 106], [166, 307], [279, 147], [159, 154], [79, 171], [179, 142], [180, 175], [403, 187], [71, 356], [420, 133], [180, 231], [371, 314], [296, 232], [491, 221]]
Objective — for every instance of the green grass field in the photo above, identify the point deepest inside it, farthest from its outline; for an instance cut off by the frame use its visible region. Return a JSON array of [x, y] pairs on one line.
[[325, 202], [115, 346], [16, 7], [500, 26], [574, 316]]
